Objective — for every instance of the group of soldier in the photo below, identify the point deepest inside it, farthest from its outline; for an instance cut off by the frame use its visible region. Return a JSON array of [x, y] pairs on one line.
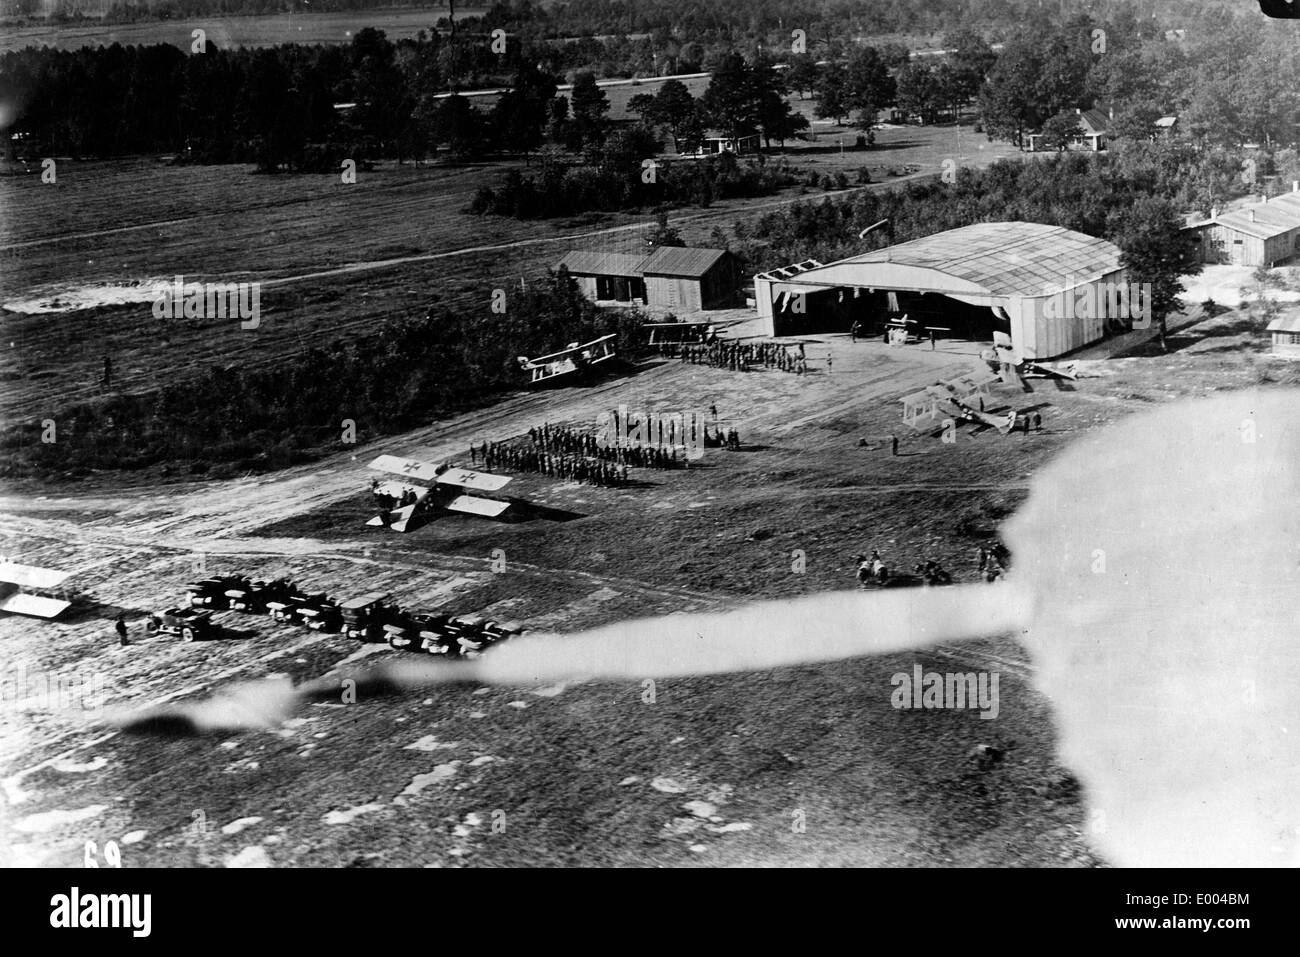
[[993, 561], [739, 356], [387, 502]]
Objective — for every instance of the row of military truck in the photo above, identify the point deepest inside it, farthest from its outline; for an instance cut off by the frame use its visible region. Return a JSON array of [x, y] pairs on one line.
[[370, 618]]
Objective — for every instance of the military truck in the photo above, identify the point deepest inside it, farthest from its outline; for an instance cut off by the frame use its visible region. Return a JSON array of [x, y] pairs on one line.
[[469, 632], [213, 593], [413, 632], [364, 618], [322, 615], [290, 607], [253, 598], [498, 631], [188, 623]]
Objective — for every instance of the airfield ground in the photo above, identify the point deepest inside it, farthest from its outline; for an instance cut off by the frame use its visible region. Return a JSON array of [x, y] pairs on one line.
[[333, 260], [805, 765]]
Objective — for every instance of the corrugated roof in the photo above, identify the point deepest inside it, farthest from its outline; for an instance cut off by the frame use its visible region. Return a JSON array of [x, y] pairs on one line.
[[1288, 323], [681, 261], [586, 262], [1094, 121], [1003, 259], [1279, 215]]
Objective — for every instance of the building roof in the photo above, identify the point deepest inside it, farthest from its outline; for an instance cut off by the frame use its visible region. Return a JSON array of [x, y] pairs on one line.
[[1287, 323], [713, 133], [681, 261], [1094, 122], [584, 262], [1279, 215], [986, 259]]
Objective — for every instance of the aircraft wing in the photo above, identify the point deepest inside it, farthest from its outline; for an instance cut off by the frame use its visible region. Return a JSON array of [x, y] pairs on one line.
[[1047, 370], [34, 605], [473, 505], [477, 481], [395, 489], [30, 576], [410, 468]]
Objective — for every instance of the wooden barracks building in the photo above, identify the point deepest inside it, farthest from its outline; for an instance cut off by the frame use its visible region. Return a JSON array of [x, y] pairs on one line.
[[671, 277], [1257, 234]]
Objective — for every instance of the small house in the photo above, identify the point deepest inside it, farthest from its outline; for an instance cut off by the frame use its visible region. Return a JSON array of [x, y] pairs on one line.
[[677, 278], [613, 278], [1285, 331]]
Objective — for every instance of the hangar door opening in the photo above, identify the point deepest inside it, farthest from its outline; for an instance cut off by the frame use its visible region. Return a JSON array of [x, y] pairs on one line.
[[807, 310]]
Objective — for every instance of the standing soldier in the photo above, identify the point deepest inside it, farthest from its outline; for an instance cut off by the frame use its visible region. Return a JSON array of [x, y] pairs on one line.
[[120, 627], [1038, 422], [108, 371], [893, 444]]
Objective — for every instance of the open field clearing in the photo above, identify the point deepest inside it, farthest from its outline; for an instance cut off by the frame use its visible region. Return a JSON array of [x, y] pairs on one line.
[[225, 32], [714, 771], [333, 259]]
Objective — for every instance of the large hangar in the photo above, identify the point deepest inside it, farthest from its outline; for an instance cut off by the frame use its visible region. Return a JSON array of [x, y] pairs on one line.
[[1051, 289]]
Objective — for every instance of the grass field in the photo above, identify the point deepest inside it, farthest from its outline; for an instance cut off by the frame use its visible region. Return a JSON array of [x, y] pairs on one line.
[[333, 259], [226, 32]]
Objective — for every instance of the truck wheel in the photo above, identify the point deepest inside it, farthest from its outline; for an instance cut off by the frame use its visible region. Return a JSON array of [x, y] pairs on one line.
[[187, 634]]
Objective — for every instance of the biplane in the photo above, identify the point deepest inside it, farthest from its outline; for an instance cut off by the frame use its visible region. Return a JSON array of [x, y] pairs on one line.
[[29, 590], [1013, 368], [447, 488], [573, 362], [958, 398]]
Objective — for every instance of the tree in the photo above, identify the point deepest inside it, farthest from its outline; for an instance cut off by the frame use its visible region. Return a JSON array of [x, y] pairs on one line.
[[558, 125], [646, 106], [1136, 122], [775, 115], [1211, 117], [730, 101], [675, 106], [520, 112], [460, 126], [803, 74], [663, 234], [918, 91], [1060, 130], [1156, 249], [869, 80], [833, 94], [588, 100], [971, 61], [1009, 99]]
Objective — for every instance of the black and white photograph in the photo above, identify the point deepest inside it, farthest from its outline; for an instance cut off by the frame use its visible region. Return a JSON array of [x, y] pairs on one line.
[[651, 434]]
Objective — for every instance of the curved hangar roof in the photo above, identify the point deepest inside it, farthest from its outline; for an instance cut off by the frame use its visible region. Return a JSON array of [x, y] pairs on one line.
[[986, 259]]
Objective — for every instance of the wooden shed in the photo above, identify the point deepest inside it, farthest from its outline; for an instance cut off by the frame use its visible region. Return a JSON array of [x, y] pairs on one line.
[[1286, 335], [677, 277], [607, 277], [1257, 234]]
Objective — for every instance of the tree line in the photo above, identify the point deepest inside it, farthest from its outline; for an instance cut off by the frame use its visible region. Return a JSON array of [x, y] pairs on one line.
[[406, 373]]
